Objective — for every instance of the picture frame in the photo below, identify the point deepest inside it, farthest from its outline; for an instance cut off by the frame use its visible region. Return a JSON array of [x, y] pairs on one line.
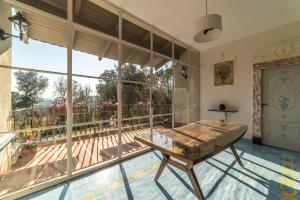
[[224, 73]]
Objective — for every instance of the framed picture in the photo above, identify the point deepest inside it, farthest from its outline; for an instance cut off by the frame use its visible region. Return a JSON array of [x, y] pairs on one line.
[[223, 73]]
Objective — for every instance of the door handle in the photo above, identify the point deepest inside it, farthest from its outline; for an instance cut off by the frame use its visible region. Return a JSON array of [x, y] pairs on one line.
[[264, 104]]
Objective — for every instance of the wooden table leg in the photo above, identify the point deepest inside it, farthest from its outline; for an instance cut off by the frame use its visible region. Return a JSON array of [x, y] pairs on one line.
[[162, 166], [236, 155], [195, 183]]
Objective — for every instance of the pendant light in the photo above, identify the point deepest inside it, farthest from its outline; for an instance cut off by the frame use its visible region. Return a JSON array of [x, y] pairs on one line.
[[208, 27]]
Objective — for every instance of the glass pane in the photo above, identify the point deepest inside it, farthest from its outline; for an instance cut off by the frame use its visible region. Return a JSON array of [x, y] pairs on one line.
[[93, 55], [136, 65], [162, 45], [35, 100], [95, 103], [180, 53], [162, 70], [162, 122], [194, 91], [131, 128], [35, 53], [162, 99], [135, 34], [162, 85], [33, 117], [181, 94], [135, 100], [194, 58]]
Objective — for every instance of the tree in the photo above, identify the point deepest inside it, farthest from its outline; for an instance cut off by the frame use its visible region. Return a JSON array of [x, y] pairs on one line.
[[60, 88], [162, 91], [84, 94], [75, 91], [107, 87], [15, 99], [132, 93], [30, 86]]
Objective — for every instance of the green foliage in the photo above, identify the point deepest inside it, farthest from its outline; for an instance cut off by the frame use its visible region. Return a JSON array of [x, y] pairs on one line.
[[107, 87], [134, 94], [30, 86], [15, 99], [30, 144]]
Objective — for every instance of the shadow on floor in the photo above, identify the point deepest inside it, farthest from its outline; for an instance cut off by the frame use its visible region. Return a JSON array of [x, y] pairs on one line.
[[280, 191], [257, 180]]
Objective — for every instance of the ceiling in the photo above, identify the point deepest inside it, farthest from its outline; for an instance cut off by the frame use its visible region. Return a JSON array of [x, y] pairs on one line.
[[94, 17], [240, 18]]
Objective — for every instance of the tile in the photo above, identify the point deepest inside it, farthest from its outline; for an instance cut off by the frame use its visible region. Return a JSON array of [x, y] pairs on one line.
[[269, 174]]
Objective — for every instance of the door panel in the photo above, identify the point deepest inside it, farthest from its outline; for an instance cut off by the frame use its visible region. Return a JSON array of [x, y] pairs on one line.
[[281, 107]]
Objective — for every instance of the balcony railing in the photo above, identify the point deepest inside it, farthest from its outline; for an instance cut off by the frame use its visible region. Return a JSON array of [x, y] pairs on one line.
[[93, 143]]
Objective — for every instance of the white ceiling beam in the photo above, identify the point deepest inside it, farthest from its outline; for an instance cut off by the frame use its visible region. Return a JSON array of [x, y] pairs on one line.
[[160, 64], [94, 32], [133, 52], [77, 8], [78, 27], [104, 51]]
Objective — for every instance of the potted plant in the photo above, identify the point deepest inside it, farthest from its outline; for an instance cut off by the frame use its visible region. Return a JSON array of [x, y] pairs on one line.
[[29, 148]]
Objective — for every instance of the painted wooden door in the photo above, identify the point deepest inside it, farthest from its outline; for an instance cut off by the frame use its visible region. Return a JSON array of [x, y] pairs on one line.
[[281, 107]]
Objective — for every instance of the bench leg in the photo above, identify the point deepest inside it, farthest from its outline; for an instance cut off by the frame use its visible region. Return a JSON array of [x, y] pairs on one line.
[[195, 183], [162, 166], [236, 155]]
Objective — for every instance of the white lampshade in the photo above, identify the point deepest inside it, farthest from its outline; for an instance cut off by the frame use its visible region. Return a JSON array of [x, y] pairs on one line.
[[208, 28]]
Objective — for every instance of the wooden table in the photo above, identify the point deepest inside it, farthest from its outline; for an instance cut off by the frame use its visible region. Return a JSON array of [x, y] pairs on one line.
[[192, 144]]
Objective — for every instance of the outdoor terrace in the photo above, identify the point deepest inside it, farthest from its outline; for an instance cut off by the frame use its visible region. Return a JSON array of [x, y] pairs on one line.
[[90, 147]]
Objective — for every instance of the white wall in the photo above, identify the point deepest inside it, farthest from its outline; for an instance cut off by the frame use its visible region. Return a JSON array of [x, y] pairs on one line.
[[273, 44], [5, 74]]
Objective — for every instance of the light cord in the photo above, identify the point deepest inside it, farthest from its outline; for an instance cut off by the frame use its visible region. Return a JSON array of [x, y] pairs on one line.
[[206, 8]]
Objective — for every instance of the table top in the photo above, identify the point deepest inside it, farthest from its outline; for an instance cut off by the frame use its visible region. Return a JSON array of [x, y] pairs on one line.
[[193, 142]]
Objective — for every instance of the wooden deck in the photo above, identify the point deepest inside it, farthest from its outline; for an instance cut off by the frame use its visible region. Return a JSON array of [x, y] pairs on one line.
[[50, 161]]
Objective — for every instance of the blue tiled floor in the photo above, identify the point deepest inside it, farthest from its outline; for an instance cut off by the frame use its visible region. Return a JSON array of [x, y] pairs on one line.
[[269, 173]]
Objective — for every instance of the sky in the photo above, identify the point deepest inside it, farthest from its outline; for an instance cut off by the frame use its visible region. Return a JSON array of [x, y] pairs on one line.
[[44, 56]]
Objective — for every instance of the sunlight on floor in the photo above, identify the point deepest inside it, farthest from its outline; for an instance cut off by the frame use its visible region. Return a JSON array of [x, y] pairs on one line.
[[269, 173]]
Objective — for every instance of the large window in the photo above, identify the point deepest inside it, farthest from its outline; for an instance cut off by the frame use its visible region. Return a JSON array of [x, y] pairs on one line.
[[136, 73], [162, 85], [194, 94], [181, 93], [121, 87], [95, 100], [31, 105]]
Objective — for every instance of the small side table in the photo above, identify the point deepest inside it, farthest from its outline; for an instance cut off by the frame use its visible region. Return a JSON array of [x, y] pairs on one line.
[[226, 111]]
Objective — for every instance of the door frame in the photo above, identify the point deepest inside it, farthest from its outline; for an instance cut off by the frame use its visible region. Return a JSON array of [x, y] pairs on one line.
[[257, 92]]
